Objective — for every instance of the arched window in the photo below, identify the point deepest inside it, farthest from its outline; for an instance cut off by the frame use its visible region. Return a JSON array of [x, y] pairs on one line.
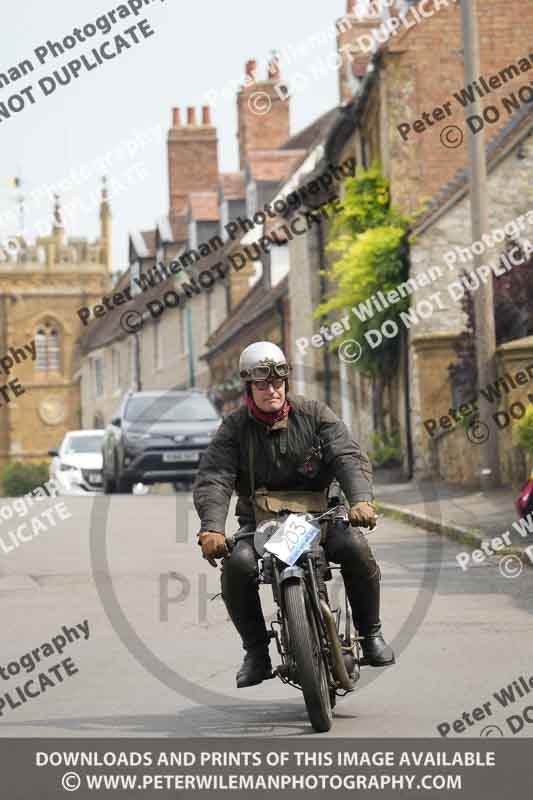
[[48, 348]]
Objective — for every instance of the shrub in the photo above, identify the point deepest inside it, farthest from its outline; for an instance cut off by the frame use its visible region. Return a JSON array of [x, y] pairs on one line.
[[524, 431], [19, 478], [368, 240], [386, 450]]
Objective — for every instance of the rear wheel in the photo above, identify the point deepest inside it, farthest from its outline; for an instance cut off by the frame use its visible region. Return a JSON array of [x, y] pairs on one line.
[[305, 648]]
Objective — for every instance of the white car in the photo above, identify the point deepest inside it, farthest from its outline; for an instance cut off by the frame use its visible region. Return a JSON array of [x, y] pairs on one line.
[[76, 466]]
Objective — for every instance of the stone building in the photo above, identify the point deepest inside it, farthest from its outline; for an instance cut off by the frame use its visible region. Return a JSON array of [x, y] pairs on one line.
[[41, 291], [378, 95]]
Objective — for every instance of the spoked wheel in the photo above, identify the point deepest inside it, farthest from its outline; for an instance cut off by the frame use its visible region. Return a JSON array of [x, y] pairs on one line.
[[305, 647]]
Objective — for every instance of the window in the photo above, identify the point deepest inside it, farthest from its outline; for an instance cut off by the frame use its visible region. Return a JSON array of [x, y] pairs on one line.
[[98, 377], [279, 264], [209, 312], [170, 407], [193, 235], [86, 443], [224, 220], [251, 198], [364, 152], [115, 368], [48, 348]]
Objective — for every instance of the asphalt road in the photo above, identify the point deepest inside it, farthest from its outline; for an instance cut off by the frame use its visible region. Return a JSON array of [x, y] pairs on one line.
[[161, 657]]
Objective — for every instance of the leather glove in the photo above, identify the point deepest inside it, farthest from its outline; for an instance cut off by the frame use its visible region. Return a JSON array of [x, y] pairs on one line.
[[213, 546], [363, 515]]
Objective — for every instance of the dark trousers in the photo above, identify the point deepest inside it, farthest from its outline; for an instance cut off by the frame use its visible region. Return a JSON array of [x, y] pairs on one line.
[[345, 546]]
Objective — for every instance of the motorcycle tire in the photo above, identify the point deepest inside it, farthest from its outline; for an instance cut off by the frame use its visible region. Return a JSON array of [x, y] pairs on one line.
[[305, 648]]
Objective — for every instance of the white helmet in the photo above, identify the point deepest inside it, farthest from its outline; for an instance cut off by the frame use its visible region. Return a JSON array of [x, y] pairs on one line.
[[262, 360]]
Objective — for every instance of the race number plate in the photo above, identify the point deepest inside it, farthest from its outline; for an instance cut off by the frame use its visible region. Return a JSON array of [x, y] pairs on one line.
[[292, 539]]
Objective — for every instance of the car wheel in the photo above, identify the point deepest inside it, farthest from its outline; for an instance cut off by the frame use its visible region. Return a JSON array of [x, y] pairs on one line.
[[125, 485], [108, 485]]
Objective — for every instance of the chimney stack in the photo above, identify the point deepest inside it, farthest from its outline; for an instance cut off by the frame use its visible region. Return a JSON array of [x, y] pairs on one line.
[[354, 60], [262, 110], [192, 158]]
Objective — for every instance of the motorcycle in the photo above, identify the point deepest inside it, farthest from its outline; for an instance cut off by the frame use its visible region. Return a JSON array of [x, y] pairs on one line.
[[320, 655]]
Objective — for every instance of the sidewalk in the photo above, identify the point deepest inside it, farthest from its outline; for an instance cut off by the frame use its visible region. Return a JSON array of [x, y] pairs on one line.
[[469, 517]]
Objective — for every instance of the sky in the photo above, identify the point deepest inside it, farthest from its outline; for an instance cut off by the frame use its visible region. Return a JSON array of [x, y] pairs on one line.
[[122, 108]]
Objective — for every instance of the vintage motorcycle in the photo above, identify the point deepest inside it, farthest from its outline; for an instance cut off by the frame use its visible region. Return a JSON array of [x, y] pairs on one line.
[[320, 652]]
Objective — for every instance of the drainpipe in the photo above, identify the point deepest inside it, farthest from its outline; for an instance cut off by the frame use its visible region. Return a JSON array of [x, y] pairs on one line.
[[407, 407], [137, 363], [3, 349], [192, 376], [327, 354], [281, 315]]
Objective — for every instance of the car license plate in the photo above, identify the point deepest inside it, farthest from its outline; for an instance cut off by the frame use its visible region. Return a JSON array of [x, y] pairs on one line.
[[293, 538], [183, 455], [95, 479]]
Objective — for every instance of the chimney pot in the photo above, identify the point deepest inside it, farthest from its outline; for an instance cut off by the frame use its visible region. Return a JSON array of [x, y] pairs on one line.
[[251, 68], [206, 115], [191, 115], [176, 121], [273, 69]]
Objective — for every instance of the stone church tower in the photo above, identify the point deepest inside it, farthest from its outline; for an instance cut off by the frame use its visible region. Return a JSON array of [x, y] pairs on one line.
[[41, 290]]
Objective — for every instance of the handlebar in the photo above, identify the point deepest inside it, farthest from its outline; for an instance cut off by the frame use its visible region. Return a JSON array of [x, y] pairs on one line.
[[331, 512]]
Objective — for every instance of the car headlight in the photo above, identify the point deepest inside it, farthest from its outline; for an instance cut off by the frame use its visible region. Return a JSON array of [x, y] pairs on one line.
[[68, 468], [136, 437]]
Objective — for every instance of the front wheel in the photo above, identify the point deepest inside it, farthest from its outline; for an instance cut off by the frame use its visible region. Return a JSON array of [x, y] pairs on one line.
[[305, 648]]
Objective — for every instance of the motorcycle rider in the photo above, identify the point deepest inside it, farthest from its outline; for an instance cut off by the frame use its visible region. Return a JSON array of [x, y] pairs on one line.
[[298, 444]]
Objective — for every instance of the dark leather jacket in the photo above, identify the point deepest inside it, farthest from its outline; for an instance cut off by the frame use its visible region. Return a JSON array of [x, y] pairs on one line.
[[306, 450]]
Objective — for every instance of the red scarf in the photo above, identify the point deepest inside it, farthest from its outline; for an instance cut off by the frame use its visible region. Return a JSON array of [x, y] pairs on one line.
[[263, 416]]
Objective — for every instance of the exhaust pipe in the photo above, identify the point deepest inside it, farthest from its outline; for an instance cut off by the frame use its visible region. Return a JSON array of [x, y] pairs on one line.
[[339, 667]]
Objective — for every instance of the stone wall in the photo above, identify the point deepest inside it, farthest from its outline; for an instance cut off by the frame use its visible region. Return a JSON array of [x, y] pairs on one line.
[[432, 339]]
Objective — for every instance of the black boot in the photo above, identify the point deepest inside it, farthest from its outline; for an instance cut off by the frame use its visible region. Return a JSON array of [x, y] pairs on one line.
[[255, 667], [376, 651], [362, 581]]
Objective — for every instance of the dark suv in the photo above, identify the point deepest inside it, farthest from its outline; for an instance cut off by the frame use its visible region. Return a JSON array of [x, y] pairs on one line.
[[157, 437]]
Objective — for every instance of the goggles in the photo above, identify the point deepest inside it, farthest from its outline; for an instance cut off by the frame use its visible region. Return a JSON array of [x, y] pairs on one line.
[[264, 371]]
